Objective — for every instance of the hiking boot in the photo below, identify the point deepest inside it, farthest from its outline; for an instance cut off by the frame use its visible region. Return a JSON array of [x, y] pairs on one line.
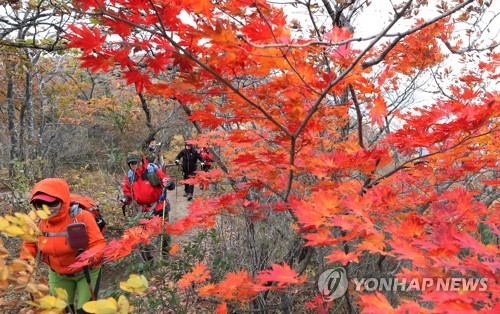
[[190, 196]]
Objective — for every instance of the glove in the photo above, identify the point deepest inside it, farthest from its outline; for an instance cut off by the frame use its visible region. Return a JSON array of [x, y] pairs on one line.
[[177, 161], [124, 200]]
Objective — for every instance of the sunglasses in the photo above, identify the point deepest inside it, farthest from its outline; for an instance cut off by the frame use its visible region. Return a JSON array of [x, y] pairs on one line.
[[38, 205]]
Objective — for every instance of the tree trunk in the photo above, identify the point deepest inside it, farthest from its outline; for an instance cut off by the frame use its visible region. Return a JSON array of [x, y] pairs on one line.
[[30, 121], [11, 111]]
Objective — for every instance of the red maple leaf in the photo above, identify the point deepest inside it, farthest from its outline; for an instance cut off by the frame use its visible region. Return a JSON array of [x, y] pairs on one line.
[[379, 110], [199, 273], [375, 303], [86, 39], [282, 275], [343, 258], [140, 80]]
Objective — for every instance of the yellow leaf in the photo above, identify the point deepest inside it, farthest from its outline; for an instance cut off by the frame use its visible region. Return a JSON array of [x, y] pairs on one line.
[[48, 301], [125, 287], [19, 287], [43, 288], [3, 223], [13, 231], [31, 287], [90, 307], [140, 291], [22, 280], [32, 215], [62, 293], [42, 214], [3, 252], [4, 273], [107, 306], [123, 305], [60, 304], [137, 282], [29, 238], [19, 265]]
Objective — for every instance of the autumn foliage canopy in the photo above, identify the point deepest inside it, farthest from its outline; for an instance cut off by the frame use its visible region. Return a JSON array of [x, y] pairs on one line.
[[372, 143]]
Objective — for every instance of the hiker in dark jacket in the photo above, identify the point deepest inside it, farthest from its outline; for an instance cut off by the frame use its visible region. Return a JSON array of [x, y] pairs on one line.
[[189, 157]]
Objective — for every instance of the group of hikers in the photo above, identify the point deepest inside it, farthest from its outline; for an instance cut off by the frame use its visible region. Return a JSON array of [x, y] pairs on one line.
[[68, 230]]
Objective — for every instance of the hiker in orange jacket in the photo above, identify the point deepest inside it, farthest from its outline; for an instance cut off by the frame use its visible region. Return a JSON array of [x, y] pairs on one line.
[[139, 186], [53, 245]]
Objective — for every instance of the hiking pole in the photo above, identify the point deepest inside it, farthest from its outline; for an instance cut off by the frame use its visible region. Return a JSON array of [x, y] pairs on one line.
[[87, 277], [164, 195], [89, 282], [123, 210]]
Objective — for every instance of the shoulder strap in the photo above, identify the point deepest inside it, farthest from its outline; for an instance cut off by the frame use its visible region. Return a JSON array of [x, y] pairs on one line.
[[74, 210], [55, 234], [130, 176], [152, 167]]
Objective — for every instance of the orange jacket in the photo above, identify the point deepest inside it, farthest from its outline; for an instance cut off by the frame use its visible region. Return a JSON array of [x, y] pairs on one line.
[[55, 250]]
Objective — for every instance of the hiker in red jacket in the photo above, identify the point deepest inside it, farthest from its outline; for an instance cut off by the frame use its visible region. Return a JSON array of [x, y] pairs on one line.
[[207, 158], [54, 245], [146, 184]]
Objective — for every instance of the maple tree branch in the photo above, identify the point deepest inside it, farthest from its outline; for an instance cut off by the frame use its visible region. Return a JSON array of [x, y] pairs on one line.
[[399, 36], [207, 68], [308, 44], [438, 85], [162, 26], [48, 48], [463, 50], [145, 108], [413, 160], [306, 261], [285, 54], [359, 116], [348, 70]]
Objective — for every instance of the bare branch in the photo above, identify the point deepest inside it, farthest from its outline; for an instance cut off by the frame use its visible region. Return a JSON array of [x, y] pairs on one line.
[[358, 115]]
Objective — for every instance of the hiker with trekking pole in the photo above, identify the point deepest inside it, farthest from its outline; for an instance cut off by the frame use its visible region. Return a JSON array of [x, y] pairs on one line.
[[146, 185], [66, 232]]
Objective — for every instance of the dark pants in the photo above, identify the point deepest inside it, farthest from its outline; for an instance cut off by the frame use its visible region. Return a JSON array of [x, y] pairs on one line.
[[189, 189]]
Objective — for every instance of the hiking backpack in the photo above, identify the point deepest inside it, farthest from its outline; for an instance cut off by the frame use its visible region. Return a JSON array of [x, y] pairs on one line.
[[149, 175], [79, 203]]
